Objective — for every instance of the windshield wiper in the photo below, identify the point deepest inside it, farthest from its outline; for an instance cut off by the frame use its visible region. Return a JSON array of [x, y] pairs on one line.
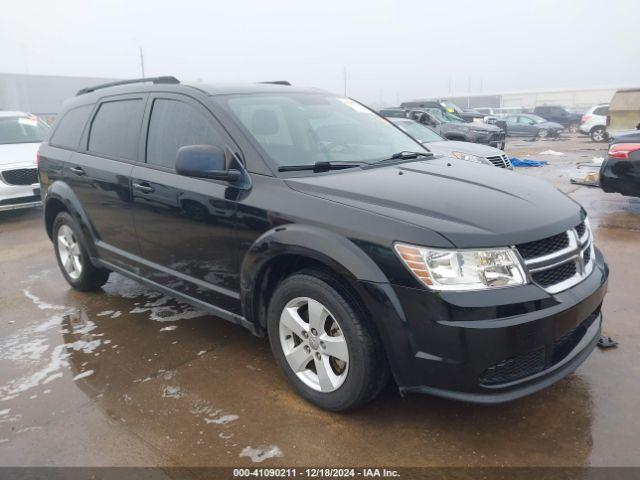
[[320, 166], [407, 155]]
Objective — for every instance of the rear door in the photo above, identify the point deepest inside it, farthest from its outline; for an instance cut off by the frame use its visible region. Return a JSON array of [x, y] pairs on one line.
[[100, 175], [185, 226]]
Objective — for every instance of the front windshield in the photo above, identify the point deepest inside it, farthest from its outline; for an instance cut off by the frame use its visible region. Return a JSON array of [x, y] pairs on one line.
[[419, 132], [305, 128], [22, 130]]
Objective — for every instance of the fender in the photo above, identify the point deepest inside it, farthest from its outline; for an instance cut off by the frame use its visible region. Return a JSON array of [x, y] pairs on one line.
[[344, 257], [61, 191], [327, 247]]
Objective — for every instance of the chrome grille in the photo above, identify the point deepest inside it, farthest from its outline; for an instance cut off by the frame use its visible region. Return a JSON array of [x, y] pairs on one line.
[[501, 161], [559, 262]]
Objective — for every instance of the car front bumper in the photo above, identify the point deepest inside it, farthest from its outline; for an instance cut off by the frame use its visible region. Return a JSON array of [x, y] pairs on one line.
[[13, 197], [493, 139], [490, 347]]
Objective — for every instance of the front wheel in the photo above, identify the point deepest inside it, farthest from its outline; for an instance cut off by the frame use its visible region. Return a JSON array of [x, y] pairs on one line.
[[73, 257], [323, 343], [598, 134], [543, 133]]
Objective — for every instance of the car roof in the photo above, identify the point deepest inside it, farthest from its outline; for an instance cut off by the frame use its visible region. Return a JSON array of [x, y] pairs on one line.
[[90, 95]]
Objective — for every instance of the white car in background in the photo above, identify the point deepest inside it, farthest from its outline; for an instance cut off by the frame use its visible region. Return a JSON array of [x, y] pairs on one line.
[[594, 122], [20, 137]]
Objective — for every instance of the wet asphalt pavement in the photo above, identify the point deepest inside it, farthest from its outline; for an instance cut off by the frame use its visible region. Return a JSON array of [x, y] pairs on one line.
[[128, 376]]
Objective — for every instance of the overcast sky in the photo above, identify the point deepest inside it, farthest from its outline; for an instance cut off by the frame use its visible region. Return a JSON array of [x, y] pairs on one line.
[[391, 50]]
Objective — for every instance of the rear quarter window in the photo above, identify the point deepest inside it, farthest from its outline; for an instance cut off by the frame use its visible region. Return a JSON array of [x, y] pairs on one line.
[[115, 130], [69, 128], [601, 111]]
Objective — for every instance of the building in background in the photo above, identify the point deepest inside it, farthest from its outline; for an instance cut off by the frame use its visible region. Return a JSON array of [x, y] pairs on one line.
[[41, 95], [579, 98]]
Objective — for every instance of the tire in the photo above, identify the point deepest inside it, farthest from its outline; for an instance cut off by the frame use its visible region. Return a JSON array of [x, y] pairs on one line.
[[598, 134], [352, 381], [72, 255], [573, 128], [543, 133]]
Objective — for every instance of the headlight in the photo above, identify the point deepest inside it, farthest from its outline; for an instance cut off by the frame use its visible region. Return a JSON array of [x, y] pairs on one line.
[[462, 269], [468, 157]]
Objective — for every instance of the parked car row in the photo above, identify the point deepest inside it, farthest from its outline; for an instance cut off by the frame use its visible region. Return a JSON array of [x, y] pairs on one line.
[[450, 126], [467, 151], [366, 257]]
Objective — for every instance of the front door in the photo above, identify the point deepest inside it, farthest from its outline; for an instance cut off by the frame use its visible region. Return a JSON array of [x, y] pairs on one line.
[[99, 174], [185, 226]]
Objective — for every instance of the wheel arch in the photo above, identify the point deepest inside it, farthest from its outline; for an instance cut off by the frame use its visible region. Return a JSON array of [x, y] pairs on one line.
[[285, 250], [61, 198]]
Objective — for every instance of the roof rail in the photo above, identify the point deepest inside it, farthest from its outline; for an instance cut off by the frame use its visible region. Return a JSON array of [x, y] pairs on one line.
[[278, 82], [155, 80]]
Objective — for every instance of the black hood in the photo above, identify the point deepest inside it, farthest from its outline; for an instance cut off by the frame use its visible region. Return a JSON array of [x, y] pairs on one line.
[[470, 205]]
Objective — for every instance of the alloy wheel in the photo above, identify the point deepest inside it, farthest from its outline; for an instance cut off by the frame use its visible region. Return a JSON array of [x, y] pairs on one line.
[[598, 135], [542, 133], [313, 344], [69, 252]]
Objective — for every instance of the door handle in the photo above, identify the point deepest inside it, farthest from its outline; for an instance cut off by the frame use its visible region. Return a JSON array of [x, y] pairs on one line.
[[143, 187], [77, 170]]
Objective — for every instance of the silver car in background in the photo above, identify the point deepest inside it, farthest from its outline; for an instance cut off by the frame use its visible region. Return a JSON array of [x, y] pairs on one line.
[[471, 152], [20, 137]]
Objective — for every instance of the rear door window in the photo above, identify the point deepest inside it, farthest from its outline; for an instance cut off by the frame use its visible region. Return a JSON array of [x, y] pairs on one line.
[[115, 130], [69, 129], [176, 124]]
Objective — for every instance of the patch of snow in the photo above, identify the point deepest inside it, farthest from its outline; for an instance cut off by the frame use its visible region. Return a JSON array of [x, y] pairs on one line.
[[106, 312], [171, 392], [222, 420], [170, 328], [41, 304], [86, 374], [261, 453], [551, 152]]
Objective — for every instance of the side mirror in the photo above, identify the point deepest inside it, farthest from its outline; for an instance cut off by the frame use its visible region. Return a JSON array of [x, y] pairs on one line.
[[206, 161]]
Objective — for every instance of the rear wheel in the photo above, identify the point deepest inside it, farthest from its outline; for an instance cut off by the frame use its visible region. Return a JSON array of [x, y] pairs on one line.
[[326, 348], [573, 128], [72, 255], [598, 134]]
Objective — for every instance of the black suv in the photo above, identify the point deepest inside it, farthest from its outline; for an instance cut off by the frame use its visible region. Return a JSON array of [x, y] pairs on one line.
[[555, 113], [306, 217]]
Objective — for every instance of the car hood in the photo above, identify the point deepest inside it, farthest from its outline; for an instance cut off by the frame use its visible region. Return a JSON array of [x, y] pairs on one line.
[[471, 205], [446, 147], [18, 154]]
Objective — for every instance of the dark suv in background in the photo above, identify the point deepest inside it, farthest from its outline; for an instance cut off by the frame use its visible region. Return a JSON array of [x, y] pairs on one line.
[[555, 113], [305, 217]]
